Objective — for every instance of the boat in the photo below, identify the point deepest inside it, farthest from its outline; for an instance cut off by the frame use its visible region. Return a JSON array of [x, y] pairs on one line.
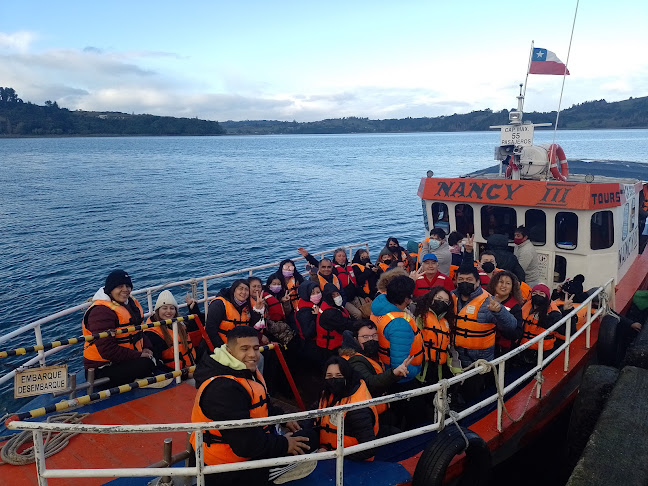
[[582, 223]]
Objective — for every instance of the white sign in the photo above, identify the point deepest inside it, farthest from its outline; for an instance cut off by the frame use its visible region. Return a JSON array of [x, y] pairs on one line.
[[38, 381], [517, 135]]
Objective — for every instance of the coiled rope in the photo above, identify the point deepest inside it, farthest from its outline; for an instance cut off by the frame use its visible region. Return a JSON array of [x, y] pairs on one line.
[[54, 441]]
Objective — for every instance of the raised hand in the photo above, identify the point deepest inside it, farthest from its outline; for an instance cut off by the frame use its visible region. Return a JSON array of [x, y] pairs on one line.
[[493, 305], [401, 370], [469, 246], [302, 251], [569, 301], [286, 297]]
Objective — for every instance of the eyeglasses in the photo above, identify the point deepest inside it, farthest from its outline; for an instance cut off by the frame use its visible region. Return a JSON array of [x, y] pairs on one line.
[[369, 336]]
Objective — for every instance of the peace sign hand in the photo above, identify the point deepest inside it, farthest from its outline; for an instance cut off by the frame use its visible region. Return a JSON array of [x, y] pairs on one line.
[[569, 301], [493, 305], [469, 246], [286, 297]]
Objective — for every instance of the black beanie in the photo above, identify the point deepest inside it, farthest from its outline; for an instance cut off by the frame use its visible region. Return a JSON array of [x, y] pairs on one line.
[[115, 279]]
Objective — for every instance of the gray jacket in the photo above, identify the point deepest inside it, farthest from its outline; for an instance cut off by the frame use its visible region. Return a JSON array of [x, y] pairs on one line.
[[528, 258], [442, 253]]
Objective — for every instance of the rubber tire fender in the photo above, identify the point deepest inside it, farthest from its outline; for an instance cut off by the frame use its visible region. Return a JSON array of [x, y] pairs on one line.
[[433, 463], [607, 345]]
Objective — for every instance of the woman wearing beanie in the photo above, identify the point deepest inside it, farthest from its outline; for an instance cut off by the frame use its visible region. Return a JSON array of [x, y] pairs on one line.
[[161, 338], [125, 357]]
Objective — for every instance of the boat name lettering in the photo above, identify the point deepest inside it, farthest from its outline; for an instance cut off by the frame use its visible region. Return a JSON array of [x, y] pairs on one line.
[[476, 190], [556, 191], [606, 197]]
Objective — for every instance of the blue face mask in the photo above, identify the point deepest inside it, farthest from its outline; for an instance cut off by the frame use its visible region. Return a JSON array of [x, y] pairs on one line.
[[434, 244]]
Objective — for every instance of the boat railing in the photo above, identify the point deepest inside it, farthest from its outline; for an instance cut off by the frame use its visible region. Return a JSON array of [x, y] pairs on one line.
[[203, 282], [443, 415]]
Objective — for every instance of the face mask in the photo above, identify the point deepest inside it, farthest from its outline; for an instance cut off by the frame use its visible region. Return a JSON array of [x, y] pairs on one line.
[[518, 241], [439, 307], [370, 348], [465, 288], [275, 289], [539, 300], [434, 244], [393, 249], [239, 302], [316, 299], [335, 386], [387, 261], [488, 267], [364, 261], [287, 273], [338, 300]]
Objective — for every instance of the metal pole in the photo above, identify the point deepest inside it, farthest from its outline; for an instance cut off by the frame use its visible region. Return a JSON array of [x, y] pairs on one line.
[[500, 402], [39, 342], [91, 379], [39, 456], [200, 465], [176, 351], [149, 299], [540, 363], [338, 420], [527, 74], [205, 297], [589, 320], [568, 341], [167, 453]]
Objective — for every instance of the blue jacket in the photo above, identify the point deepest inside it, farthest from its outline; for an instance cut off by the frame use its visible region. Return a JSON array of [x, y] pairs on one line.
[[399, 334]]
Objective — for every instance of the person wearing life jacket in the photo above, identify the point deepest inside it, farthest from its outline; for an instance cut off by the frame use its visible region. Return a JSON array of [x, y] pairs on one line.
[[122, 358], [230, 387], [360, 348], [428, 276], [412, 251], [398, 252], [437, 245], [434, 316], [385, 259], [505, 288], [230, 309], [346, 275], [487, 264], [332, 320], [527, 256], [343, 386], [291, 279], [161, 338], [454, 243], [367, 275], [280, 316]]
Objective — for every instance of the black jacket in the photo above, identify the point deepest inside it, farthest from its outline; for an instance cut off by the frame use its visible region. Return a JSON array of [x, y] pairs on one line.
[[333, 319], [216, 313], [305, 316], [505, 259]]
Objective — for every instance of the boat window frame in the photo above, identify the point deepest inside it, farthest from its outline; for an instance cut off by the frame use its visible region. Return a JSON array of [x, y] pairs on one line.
[[485, 220], [529, 227], [570, 225], [610, 229]]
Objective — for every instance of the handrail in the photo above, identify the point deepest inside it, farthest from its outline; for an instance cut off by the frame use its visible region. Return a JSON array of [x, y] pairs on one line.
[[337, 415]]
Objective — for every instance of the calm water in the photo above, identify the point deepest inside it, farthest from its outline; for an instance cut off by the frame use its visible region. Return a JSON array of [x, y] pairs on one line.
[[166, 209]]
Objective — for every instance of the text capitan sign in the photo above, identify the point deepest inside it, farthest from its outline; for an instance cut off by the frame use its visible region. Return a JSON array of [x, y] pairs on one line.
[[517, 135], [38, 381]]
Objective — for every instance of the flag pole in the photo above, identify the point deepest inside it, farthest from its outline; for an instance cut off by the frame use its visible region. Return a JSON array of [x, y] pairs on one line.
[[527, 74], [571, 37]]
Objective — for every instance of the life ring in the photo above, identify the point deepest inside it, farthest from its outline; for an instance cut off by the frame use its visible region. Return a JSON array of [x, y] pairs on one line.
[[433, 463], [556, 150]]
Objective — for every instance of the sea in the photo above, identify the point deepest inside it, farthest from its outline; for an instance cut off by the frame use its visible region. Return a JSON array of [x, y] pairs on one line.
[[173, 208]]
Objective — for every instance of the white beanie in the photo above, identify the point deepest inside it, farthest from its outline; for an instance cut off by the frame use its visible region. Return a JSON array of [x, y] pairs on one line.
[[165, 298]]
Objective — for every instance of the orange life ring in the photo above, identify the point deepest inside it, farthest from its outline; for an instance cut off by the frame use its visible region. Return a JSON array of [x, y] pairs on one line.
[[556, 150]]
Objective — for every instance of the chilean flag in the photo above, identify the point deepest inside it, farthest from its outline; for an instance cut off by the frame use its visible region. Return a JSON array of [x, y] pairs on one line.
[[546, 62]]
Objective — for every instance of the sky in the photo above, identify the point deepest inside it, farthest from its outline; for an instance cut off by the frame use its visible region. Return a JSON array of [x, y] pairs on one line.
[[307, 61]]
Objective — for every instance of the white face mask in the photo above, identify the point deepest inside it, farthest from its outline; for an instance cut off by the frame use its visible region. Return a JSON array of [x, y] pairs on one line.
[[434, 244], [338, 300]]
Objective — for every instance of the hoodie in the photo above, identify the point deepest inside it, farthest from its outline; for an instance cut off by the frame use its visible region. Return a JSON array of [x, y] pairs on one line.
[[498, 244], [305, 318], [399, 334], [227, 399], [336, 318]]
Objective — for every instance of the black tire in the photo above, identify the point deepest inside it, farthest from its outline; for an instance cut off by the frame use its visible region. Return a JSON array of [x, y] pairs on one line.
[[597, 385], [433, 463], [607, 345]]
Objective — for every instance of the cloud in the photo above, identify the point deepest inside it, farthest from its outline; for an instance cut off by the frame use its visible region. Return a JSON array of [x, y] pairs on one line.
[[18, 41]]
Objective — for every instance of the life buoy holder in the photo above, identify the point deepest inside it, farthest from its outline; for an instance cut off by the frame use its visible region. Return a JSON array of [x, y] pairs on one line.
[[556, 151]]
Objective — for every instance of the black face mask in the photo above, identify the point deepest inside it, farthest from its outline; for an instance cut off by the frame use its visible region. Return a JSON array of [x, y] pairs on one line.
[[335, 386], [488, 267], [387, 262], [364, 260], [439, 307], [539, 301], [465, 288], [370, 348], [393, 249]]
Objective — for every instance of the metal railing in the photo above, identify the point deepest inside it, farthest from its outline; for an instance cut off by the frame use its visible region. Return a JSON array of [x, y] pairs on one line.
[[337, 414], [36, 326]]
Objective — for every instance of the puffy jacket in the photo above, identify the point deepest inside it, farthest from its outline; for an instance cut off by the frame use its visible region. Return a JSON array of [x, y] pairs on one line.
[[506, 260]]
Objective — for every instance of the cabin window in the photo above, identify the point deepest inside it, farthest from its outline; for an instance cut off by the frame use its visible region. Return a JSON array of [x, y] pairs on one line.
[[425, 214], [566, 231], [498, 219], [440, 216], [465, 219], [535, 221], [602, 230], [560, 269]]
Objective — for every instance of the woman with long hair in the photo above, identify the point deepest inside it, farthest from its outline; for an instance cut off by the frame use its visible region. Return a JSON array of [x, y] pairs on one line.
[[290, 280], [504, 286]]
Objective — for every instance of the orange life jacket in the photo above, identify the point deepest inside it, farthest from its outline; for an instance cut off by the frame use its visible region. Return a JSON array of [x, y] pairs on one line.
[[378, 368], [186, 354], [383, 266], [531, 328], [215, 449], [436, 338], [469, 333], [233, 318], [345, 274], [525, 290], [361, 269], [322, 281], [582, 318], [384, 347], [291, 286], [328, 431], [130, 340], [645, 194], [328, 339]]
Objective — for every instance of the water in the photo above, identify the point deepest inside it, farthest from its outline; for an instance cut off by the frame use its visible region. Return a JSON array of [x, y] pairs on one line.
[[164, 209]]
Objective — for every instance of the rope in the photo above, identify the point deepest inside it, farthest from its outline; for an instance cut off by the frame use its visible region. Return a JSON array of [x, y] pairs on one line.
[[443, 407], [54, 441]]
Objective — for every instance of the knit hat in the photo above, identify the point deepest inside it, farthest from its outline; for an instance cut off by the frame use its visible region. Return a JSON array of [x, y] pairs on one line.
[[542, 288], [165, 298], [115, 279]]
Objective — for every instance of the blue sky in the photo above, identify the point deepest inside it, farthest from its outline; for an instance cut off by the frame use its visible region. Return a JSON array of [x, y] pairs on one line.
[[312, 60]]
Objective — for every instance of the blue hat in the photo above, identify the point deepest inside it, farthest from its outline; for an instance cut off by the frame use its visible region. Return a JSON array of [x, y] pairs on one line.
[[430, 256]]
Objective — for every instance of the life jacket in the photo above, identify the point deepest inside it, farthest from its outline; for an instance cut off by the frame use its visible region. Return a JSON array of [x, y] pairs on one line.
[[378, 368], [645, 194], [582, 318], [531, 328], [302, 304], [383, 266], [423, 287], [384, 347], [436, 338], [291, 286], [469, 333], [130, 340], [232, 319], [215, 449], [505, 343], [345, 274], [525, 290], [322, 281], [328, 431], [253, 303], [186, 354], [405, 260], [274, 308], [361, 269], [420, 247], [328, 339]]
